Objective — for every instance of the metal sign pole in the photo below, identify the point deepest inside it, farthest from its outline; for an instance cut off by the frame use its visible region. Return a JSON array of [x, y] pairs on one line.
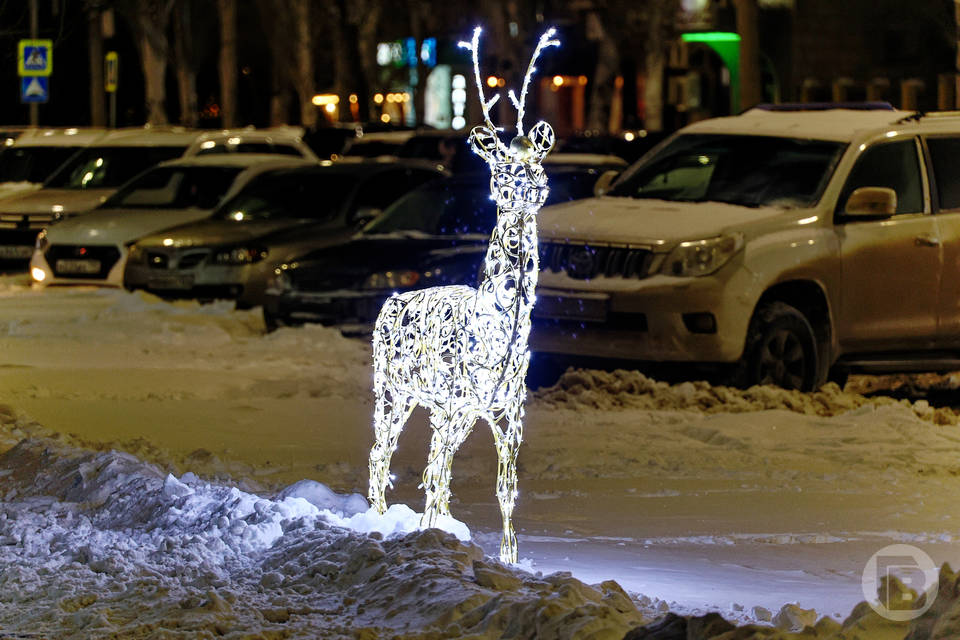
[[111, 80], [34, 29]]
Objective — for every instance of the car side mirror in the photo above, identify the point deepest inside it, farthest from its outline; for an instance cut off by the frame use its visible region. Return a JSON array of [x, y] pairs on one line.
[[871, 202], [602, 185], [365, 215]]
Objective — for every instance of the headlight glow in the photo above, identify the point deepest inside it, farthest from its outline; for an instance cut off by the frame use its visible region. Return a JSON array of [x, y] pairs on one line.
[[701, 257], [42, 243]]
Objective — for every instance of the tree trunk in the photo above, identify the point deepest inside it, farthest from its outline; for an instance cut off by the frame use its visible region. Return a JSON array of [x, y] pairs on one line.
[[303, 56], [367, 62], [184, 60], [228, 62], [604, 76], [656, 61], [747, 16], [98, 104], [154, 73]]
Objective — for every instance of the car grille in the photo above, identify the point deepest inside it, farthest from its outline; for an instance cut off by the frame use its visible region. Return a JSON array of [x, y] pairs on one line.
[[586, 261], [106, 255]]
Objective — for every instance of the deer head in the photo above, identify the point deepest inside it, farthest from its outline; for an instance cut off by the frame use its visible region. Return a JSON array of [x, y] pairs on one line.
[[518, 180]]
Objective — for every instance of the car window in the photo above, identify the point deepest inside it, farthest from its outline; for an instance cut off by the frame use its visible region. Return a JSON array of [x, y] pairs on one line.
[[386, 187], [447, 208], [32, 164], [175, 188], [251, 147], [291, 195], [739, 169], [109, 167], [894, 165], [944, 153]]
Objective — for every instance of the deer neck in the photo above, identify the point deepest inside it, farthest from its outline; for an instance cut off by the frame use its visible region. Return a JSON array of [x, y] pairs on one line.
[[510, 272]]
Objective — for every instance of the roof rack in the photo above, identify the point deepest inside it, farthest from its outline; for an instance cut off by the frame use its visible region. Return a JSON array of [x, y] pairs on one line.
[[823, 106]]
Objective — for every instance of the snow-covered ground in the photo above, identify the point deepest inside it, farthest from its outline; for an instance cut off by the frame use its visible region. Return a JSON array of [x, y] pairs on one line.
[[692, 498]]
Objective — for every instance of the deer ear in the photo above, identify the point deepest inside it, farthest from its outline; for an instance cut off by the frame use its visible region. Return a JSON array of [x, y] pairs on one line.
[[486, 144], [541, 135]]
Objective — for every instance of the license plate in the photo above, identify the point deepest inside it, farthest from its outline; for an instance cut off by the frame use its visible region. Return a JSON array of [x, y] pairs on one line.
[[170, 282], [78, 266], [14, 252], [585, 308]]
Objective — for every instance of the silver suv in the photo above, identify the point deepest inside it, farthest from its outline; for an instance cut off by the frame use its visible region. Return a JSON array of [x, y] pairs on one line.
[[785, 245]]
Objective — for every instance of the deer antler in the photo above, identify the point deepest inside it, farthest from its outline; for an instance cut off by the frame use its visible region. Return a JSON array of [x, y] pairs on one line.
[[474, 46], [545, 41]]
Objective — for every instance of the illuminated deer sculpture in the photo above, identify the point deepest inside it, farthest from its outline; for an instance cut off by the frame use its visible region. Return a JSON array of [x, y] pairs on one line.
[[461, 352]]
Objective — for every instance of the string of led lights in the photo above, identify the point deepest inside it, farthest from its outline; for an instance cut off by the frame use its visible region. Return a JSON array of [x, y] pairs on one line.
[[462, 352]]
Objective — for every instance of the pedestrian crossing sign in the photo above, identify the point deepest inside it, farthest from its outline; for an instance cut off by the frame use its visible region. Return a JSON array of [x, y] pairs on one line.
[[34, 89], [35, 57]]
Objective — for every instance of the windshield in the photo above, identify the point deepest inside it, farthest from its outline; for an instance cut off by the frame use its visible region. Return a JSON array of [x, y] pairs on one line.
[[32, 164], [449, 207], [291, 195], [109, 167], [746, 170], [175, 188]]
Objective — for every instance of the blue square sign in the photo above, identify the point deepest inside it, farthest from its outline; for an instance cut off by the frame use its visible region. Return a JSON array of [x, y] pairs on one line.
[[34, 89]]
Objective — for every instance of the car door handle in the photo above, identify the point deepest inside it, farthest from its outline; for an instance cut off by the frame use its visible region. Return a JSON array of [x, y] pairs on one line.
[[926, 240]]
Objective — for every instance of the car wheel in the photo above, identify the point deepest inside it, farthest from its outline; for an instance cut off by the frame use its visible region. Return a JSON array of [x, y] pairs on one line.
[[272, 321], [781, 349]]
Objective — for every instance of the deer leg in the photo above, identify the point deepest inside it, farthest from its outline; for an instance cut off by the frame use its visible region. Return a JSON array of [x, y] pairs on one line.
[[391, 412], [508, 445], [449, 432]]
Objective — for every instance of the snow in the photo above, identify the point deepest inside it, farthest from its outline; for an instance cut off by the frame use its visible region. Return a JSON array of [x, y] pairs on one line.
[[171, 469]]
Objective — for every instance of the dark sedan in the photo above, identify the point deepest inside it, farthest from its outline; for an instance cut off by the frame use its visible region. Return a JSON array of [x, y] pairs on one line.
[[434, 235]]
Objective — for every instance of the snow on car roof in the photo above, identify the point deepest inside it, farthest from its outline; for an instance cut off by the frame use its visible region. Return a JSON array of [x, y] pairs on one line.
[[842, 125], [71, 136], [239, 160], [149, 137]]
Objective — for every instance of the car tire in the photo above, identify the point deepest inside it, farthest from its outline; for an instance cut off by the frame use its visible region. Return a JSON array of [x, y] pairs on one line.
[[271, 321], [780, 350]]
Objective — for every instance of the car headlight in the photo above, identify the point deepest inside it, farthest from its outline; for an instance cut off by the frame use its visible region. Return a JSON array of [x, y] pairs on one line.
[[240, 255], [42, 241], [701, 257], [391, 280], [280, 280]]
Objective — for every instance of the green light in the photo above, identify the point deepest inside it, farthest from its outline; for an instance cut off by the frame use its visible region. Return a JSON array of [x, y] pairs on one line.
[[711, 36]]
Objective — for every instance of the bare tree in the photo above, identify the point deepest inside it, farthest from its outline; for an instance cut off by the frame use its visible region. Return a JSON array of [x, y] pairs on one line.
[[747, 15], [227, 10], [184, 62], [277, 25], [98, 105], [604, 75], [149, 20], [303, 77]]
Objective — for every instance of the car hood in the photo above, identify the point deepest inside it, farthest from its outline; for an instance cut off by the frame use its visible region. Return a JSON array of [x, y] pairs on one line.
[[47, 201], [120, 226], [450, 259], [218, 232], [639, 221]]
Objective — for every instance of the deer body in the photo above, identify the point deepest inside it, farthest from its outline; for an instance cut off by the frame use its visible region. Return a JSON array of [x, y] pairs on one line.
[[462, 352]]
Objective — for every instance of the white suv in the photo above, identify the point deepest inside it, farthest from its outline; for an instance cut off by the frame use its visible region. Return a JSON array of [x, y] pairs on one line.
[[787, 244]]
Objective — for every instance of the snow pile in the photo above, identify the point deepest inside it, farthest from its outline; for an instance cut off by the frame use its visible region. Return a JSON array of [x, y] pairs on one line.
[[940, 622], [620, 389], [103, 545]]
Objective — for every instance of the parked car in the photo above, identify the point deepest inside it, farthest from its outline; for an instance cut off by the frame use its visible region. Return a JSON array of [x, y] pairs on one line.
[[32, 157], [82, 183], [376, 143], [281, 214], [435, 235], [92, 249], [287, 141], [92, 175], [779, 247]]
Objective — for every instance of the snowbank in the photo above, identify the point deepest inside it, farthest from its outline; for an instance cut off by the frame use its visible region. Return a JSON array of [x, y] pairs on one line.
[[589, 389], [103, 545]]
